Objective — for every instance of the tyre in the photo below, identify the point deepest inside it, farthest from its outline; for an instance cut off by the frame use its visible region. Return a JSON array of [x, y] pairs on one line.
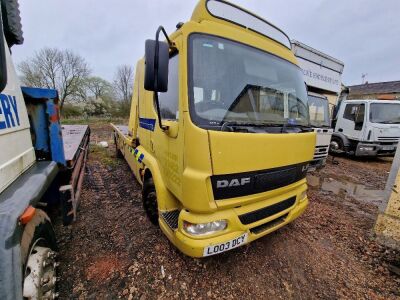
[[38, 254], [336, 146], [117, 151], [149, 198]]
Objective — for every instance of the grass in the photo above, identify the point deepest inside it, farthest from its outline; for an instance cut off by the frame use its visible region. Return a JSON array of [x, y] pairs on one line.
[[103, 155]]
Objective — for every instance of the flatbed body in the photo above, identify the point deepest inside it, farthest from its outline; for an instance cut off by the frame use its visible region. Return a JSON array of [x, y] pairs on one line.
[[125, 146], [75, 139], [123, 129], [76, 148]]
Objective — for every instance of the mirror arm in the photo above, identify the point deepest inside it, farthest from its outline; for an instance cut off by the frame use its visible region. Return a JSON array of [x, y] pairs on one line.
[[161, 29], [155, 93], [162, 127]]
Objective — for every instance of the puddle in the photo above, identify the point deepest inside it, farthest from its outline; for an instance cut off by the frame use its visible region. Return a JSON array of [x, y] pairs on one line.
[[356, 191]]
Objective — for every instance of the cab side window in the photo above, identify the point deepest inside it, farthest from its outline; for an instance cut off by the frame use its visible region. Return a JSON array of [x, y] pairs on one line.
[[350, 111], [169, 101], [355, 113]]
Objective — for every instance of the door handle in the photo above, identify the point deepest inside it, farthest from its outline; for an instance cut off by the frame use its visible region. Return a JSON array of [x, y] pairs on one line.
[[340, 130], [151, 145]]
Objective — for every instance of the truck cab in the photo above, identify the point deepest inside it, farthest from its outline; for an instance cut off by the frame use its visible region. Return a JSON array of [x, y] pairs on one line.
[[320, 121], [219, 132], [14, 122], [367, 127], [42, 166]]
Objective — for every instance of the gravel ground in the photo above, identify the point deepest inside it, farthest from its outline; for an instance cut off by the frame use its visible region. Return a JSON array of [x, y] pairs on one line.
[[113, 251]]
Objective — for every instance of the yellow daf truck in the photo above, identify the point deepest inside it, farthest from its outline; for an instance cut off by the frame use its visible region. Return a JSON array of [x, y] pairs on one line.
[[219, 134]]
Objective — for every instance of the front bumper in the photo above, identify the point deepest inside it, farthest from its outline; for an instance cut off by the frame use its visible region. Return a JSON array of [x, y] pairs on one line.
[[194, 246], [317, 164], [375, 149]]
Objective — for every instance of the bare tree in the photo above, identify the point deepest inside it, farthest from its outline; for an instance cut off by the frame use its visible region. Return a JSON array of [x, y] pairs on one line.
[[123, 82], [62, 70]]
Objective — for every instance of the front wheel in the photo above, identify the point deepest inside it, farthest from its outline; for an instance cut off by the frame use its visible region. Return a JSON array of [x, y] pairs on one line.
[[336, 146], [117, 150], [38, 254], [149, 198]]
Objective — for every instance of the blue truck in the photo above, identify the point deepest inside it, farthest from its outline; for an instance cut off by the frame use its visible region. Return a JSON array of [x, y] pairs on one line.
[[42, 166]]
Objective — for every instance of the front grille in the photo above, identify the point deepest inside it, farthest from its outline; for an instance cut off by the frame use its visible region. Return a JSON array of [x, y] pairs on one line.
[[268, 225], [171, 218], [266, 212], [249, 183], [320, 151], [388, 138]]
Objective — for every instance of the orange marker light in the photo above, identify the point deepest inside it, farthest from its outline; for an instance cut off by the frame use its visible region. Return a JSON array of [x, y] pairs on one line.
[[27, 215]]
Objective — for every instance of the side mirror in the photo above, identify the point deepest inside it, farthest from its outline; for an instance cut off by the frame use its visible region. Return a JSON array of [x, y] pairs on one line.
[[359, 117], [3, 60], [334, 111], [156, 66], [156, 69]]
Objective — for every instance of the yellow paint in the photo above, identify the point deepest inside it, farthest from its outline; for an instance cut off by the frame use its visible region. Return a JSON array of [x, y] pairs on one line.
[[387, 226], [182, 159]]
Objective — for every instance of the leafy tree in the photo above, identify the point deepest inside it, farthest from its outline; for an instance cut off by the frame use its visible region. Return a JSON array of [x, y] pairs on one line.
[[98, 87]]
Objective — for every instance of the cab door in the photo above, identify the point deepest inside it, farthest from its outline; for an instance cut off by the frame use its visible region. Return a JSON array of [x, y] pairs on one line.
[[352, 121], [168, 144]]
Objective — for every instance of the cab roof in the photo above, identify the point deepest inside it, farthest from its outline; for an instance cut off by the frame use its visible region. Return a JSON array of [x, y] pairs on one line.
[[372, 101], [228, 13]]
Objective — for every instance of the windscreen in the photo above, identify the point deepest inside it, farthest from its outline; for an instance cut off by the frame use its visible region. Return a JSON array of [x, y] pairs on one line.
[[233, 82], [319, 111], [385, 113]]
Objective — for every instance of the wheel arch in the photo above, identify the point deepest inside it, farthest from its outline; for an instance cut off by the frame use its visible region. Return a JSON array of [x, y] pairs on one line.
[[147, 175], [166, 200], [40, 217], [342, 137]]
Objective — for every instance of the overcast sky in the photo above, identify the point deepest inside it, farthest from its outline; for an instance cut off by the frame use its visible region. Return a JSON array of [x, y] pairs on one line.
[[364, 34]]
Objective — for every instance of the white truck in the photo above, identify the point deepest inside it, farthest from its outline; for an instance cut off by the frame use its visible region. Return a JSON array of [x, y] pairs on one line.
[[366, 127], [322, 75], [321, 122], [42, 165]]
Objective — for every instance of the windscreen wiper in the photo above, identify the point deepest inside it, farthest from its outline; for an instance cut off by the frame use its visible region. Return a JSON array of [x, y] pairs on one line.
[[228, 124], [390, 122], [307, 127]]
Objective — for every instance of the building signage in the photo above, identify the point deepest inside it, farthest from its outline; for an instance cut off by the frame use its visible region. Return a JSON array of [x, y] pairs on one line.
[[9, 117], [318, 76]]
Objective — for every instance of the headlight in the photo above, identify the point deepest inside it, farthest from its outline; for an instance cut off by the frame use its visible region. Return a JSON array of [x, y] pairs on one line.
[[366, 148], [303, 195], [204, 228]]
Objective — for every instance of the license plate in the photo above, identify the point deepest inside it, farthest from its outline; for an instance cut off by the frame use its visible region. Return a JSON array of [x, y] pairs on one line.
[[387, 148], [231, 244]]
